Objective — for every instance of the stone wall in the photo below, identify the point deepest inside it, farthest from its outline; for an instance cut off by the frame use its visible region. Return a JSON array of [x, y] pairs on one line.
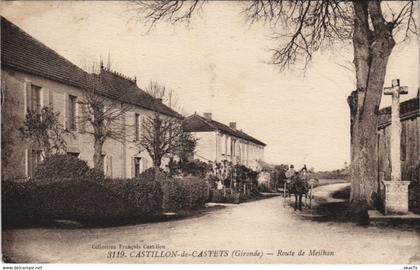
[[410, 157]]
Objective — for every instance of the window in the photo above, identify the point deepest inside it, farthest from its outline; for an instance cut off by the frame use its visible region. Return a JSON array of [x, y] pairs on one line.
[[35, 158], [107, 164], [72, 112], [137, 126], [74, 154], [226, 145], [137, 162], [232, 148], [36, 98], [103, 157]]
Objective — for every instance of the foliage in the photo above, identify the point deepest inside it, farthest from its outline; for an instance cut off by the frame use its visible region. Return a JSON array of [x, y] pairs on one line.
[[66, 167], [333, 174], [222, 170], [243, 174], [18, 204], [44, 131], [196, 168], [151, 174], [184, 193], [79, 199], [144, 196], [69, 191], [168, 96], [229, 174], [186, 147], [161, 137], [42, 201], [281, 170], [303, 28]]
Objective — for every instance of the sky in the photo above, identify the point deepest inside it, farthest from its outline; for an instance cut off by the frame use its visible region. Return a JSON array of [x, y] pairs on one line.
[[218, 64]]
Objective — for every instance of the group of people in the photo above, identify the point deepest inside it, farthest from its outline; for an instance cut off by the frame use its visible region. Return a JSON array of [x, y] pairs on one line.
[[297, 184]]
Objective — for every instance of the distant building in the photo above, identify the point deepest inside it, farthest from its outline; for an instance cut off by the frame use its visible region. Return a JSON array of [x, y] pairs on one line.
[[218, 142], [33, 76]]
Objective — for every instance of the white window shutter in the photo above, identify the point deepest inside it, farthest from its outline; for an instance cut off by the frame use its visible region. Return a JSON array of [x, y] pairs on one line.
[[144, 164], [51, 98], [141, 125], [27, 91], [27, 162], [66, 111], [133, 173], [109, 166], [81, 118], [77, 113], [45, 100]]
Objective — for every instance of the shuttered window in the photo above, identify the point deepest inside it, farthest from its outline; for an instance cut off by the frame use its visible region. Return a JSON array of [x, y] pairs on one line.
[[33, 159], [137, 168], [71, 116], [136, 126], [36, 98]]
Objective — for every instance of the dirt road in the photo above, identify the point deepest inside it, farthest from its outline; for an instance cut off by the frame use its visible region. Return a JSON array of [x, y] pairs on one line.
[[257, 232]]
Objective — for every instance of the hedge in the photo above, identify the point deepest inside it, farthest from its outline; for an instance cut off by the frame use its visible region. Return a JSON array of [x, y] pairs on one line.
[[184, 193], [77, 199], [143, 195], [66, 167], [77, 192]]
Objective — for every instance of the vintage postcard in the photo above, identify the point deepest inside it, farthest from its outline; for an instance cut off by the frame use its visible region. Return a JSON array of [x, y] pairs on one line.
[[210, 132]]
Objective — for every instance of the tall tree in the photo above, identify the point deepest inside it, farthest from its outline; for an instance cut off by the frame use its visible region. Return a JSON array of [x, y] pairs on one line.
[[168, 96], [306, 26], [161, 137], [101, 117]]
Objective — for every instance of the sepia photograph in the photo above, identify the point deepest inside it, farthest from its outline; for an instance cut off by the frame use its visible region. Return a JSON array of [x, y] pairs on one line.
[[259, 132]]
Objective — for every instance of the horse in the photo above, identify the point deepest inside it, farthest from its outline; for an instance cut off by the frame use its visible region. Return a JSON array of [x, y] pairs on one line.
[[298, 187]]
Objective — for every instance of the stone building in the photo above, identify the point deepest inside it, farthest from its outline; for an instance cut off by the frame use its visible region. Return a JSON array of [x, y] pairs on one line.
[[410, 149], [218, 142], [34, 75]]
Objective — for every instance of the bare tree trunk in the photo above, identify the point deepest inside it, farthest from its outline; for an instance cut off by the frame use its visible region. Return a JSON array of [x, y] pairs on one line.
[[98, 162], [156, 167], [371, 53]]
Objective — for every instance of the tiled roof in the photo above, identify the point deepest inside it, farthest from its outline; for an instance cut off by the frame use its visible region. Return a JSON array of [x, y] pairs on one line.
[[408, 109], [22, 52], [117, 87], [197, 123]]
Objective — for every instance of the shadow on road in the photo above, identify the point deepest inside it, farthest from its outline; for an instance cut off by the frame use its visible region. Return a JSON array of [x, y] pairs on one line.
[[118, 222], [335, 209]]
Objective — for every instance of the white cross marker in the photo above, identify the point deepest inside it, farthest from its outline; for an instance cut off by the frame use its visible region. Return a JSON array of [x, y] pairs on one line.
[[396, 90]]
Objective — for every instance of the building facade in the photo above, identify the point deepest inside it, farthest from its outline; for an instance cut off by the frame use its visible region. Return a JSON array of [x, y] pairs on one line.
[[34, 76], [218, 142]]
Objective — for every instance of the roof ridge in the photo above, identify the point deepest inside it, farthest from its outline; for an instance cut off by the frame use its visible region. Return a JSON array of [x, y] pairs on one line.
[[385, 110], [236, 133], [205, 121], [118, 74], [22, 52], [39, 43]]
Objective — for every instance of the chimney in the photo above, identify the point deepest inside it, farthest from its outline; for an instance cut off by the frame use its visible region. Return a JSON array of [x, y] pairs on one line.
[[232, 125], [207, 115]]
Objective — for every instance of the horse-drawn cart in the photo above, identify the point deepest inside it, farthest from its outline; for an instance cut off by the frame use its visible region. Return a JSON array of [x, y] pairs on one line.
[[299, 188]]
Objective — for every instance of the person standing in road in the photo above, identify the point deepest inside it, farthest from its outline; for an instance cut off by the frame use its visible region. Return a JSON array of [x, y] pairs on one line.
[[290, 172]]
